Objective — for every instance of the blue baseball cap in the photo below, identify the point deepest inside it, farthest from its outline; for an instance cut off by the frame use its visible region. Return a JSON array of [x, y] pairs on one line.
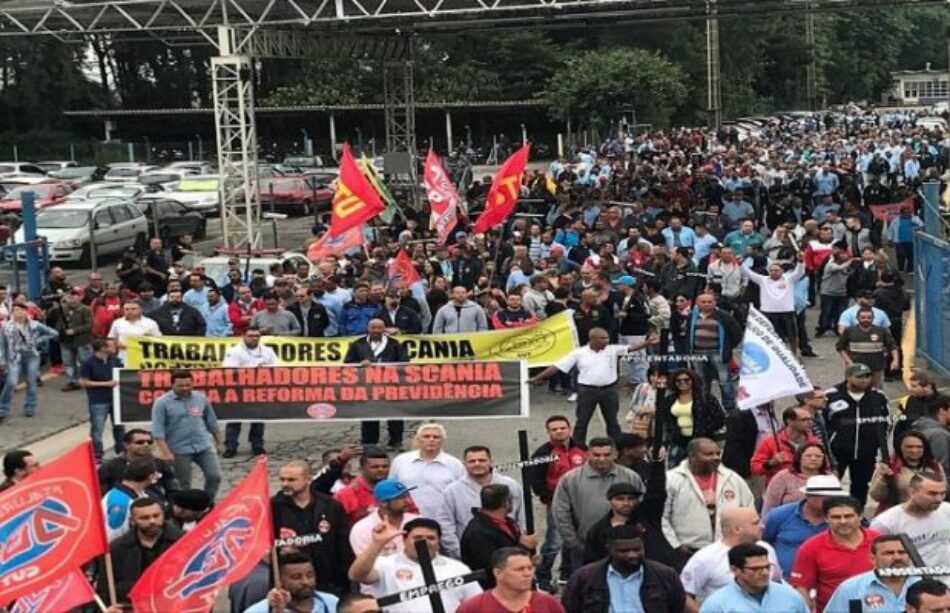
[[390, 489], [626, 280]]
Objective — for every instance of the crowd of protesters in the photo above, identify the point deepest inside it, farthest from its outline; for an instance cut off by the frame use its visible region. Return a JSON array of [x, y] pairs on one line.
[[656, 245]]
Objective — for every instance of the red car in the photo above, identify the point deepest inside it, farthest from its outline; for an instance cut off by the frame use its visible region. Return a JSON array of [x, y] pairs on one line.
[[44, 194], [296, 195]]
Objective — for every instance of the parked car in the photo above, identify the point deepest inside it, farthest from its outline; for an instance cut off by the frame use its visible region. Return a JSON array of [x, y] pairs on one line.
[[216, 267], [169, 219], [200, 192], [101, 191], [127, 172], [303, 163], [52, 166], [20, 169], [164, 179], [196, 168], [45, 195], [77, 176], [113, 224], [298, 195]]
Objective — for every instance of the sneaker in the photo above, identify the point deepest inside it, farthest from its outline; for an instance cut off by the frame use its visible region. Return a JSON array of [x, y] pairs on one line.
[[229, 453], [572, 397]]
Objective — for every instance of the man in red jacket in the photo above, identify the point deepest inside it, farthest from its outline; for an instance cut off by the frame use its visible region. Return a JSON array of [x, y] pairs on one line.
[[243, 309], [776, 452]]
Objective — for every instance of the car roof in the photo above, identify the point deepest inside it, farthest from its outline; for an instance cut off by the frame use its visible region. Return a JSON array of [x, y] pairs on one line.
[[85, 205]]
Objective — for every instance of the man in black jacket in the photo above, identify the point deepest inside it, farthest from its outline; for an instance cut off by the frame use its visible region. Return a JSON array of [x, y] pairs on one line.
[[136, 550], [311, 315], [398, 319], [378, 348], [139, 444], [490, 529], [175, 318], [314, 524], [660, 588], [856, 418]]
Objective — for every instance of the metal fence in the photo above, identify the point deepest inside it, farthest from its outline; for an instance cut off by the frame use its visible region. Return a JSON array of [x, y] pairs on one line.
[[932, 286]]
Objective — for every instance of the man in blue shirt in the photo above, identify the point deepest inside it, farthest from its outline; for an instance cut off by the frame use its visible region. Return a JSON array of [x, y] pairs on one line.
[[736, 209], [298, 589], [215, 312], [876, 593], [790, 525], [95, 376], [185, 429], [849, 317], [753, 591], [677, 235]]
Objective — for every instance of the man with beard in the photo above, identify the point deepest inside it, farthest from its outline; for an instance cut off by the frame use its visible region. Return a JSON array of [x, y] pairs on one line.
[[753, 590], [513, 571], [923, 518], [612, 583], [880, 593], [395, 508], [297, 591], [138, 444]]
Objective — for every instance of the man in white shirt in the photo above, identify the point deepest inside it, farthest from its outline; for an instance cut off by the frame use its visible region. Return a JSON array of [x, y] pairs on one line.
[[777, 298], [596, 365], [383, 576], [925, 518], [394, 501], [132, 324], [708, 569], [249, 353], [428, 468]]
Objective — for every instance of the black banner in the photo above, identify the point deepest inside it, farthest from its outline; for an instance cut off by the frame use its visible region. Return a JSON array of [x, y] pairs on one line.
[[338, 393]]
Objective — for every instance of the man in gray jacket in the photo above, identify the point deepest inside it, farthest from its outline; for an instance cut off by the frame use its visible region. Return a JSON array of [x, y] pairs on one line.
[[459, 315], [933, 425], [580, 500]]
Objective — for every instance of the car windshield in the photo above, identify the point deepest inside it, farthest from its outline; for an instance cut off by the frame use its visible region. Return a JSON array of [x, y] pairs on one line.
[[74, 173], [120, 192], [41, 191], [198, 185], [59, 218], [49, 166], [125, 172]]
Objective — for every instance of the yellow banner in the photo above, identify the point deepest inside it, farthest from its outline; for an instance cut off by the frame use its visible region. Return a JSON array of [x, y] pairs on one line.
[[542, 344]]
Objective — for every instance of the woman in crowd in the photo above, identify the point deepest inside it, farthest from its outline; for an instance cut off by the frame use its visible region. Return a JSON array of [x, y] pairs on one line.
[[643, 403], [685, 412], [889, 483], [786, 486]]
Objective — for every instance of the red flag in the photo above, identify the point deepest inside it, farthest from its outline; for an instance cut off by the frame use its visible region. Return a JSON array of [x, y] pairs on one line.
[[60, 596], [402, 269], [355, 200], [887, 212], [221, 549], [505, 188], [336, 245], [50, 524], [442, 195]]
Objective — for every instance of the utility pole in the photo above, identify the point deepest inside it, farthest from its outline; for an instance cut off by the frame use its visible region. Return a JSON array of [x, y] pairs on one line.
[[713, 83]]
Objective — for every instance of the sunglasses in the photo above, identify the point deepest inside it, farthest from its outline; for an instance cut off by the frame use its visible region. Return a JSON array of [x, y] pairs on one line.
[[144, 442]]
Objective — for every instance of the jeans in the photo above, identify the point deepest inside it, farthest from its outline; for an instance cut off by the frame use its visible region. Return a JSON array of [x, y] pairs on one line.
[[552, 545], [207, 461], [97, 421], [636, 360], [73, 357], [905, 256], [27, 365], [588, 398], [255, 437], [713, 367], [831, 309]]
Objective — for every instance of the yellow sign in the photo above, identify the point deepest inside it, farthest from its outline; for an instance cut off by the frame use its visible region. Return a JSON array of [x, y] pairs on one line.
[[542, 344]]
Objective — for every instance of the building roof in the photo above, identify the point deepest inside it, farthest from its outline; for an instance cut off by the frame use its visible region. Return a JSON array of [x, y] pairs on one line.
[[448, 105]]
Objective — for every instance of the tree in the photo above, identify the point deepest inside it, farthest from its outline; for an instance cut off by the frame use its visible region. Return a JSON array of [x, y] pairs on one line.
[[598, 85]]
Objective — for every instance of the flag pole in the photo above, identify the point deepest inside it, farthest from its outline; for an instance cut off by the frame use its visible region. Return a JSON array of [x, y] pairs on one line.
[[102, 606], [274, 567], [110, 579]]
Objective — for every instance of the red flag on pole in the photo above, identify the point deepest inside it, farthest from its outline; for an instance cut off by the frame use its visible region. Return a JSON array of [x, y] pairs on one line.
[[355, 201], [442, 195], [50, 524], [221, 549], [402, 269], [60, 596], [505, 188], [336, 245]]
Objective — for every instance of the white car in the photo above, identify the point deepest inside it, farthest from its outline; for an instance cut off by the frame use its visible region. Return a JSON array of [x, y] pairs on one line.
[[200, 192], [55, 165], [127, 172], [195, 168], [114, 224], [20, 169], [101, 191], [216, 267]]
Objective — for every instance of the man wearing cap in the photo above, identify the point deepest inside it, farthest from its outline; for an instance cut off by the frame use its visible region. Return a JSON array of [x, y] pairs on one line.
[[856, 418], [789, 525], [394, 502], [188, 507], [633, 316], [709, 569], [870, 345], [399, 319]]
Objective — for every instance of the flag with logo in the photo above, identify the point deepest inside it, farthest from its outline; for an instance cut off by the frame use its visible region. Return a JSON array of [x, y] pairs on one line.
[[59, 596], [442, 196], [401, 269], [336, 245], [389, 213], [504, 192], [355, 201], [769, 369], [887, 212], [223, 548]]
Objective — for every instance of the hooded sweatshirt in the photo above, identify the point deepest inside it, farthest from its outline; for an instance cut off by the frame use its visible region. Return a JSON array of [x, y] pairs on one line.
[[452, 318]]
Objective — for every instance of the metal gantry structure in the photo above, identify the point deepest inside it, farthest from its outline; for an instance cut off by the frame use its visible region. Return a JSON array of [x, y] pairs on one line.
[[243, 30]]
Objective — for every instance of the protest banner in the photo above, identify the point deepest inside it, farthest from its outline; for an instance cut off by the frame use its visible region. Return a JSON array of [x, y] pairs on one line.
[[887, 212], [339, 393], [542, 344], [768, 370]]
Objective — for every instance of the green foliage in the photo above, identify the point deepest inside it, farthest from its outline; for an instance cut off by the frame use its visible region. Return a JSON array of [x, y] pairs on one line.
[[599, 85]]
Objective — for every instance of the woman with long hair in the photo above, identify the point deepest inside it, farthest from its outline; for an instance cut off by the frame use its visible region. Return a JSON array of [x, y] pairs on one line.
[[643, 403], [890, 482], [785, 487], [686, 412]]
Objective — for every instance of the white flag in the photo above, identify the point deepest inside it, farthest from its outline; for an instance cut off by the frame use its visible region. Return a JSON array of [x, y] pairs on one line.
[[768, 370]]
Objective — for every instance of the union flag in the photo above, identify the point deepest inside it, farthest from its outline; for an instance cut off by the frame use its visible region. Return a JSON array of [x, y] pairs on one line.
[[355, 201], [50, 524], [60, 596], [336, 245], [221, 549], [504, 192], [402, 269], [442, 195]]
